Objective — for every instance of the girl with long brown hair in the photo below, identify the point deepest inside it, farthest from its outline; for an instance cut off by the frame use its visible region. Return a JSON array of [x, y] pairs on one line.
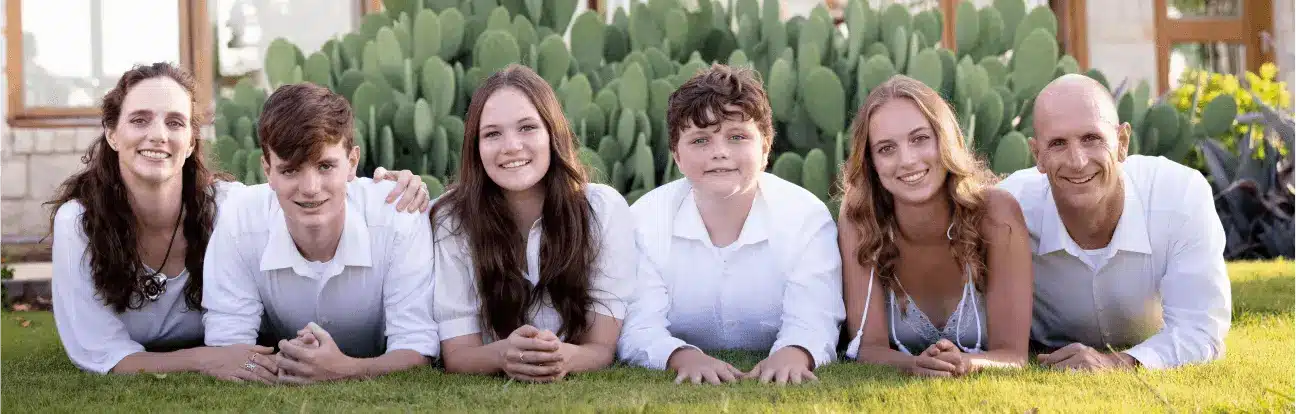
[[130, 231], [533, 263], [936, 259]]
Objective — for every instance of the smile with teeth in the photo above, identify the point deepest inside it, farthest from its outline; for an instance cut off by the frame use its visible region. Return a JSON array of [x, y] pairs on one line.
[[720, 170], [1081, 180], [157, 155], [311, 204], [515, 164], [913, 177]]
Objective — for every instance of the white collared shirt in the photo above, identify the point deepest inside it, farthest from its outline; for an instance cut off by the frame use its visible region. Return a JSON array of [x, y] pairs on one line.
[[1161, 286], [94, 336], [456, 306], [778, 284], [374, 296]]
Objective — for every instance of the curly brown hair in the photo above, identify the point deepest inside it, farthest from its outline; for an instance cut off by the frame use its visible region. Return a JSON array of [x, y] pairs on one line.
[[568, 240], [869, 206], [113, 246], [702, 100]]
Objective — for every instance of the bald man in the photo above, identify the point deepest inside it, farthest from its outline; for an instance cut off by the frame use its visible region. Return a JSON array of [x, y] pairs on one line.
[[1128, 250]]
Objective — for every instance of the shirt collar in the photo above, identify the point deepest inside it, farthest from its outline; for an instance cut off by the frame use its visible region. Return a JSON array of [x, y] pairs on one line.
[[1131, 235], [353, 248], [689, 223]]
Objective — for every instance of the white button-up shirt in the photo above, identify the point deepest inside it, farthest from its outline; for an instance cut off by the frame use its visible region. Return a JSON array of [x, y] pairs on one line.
[[374, 296], [1161, 285], [456, 306], [95, 337], [779, 284]]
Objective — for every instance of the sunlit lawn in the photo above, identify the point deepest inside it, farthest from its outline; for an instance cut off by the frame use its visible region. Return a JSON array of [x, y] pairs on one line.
[[1257, 375]]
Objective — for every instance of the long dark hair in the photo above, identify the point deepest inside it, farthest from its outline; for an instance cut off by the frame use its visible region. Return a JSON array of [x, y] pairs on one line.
[[568, 245], [115, 265]]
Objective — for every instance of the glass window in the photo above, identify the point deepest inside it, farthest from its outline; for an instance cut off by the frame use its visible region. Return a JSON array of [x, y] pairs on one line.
[[74, 50], [1183, 9], [1217, 57]]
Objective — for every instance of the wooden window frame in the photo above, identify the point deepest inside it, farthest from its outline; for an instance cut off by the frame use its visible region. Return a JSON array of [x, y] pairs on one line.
[[1244, 30], [195, 52]]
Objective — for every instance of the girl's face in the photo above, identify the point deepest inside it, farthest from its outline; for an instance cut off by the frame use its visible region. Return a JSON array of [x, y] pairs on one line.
[[512, 141], [904, 149]]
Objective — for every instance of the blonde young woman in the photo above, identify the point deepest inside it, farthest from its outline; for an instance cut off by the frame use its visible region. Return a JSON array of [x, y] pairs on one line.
[[936, 263]]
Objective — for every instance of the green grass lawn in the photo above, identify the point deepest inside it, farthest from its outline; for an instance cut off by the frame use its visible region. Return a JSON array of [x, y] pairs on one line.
[[1256, 375]]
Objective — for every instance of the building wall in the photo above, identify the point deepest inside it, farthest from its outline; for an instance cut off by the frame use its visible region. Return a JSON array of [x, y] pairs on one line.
[[1284, 43], [1120, 37]]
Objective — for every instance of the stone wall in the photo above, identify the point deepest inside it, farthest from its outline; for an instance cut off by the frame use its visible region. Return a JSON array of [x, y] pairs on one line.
[[34, 163]]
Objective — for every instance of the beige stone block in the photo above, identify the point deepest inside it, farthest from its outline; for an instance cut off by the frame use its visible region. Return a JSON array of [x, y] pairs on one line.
[[85, 137], [48, 171], [24, 140], [44, 141], [13, 177], [65, 140], [24, 217]]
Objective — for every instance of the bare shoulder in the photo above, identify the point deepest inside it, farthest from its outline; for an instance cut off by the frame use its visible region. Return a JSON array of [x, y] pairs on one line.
[[1002, 212]]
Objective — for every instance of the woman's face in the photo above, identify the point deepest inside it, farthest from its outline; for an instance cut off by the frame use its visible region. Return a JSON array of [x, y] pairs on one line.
[[154, 133], [512, 141], [904, 149]]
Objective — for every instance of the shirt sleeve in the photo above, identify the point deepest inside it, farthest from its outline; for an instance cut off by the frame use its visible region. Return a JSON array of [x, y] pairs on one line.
[[813, 295], [232, 303], [92, 335], [408, 292], [1195, 289], [645, 340], [615, 275], [455, 298]]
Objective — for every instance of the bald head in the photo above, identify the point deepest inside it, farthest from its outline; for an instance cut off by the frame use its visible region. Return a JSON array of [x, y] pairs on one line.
[[1073, 95]]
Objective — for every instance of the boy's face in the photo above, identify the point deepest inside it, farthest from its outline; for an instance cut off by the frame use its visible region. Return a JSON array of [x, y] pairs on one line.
[[313, 194], [724, 159]]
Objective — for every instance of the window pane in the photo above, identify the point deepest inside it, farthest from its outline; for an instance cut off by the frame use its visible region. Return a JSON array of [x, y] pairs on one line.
[[74, 50], [1178, 9], [1215, 57]]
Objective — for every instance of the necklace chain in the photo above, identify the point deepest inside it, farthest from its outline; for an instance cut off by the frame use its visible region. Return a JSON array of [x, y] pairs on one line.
[[154, 285]]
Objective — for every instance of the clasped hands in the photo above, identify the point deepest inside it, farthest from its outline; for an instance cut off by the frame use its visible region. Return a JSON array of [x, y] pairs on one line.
[[534, 355], [790, 364], [311, 357]]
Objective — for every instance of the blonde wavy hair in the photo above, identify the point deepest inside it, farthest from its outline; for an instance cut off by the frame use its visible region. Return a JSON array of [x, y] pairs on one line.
[[869, 209]]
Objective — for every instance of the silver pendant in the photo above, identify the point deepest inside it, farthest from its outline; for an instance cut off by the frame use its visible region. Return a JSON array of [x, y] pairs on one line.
[[154, 286]]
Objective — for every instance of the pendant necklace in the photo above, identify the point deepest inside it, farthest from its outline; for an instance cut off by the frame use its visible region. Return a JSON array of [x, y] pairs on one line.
[[155, 285]]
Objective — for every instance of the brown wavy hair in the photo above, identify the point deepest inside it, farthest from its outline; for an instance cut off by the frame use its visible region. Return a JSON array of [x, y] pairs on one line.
[[115, 265], [869, 206], [568, 243]]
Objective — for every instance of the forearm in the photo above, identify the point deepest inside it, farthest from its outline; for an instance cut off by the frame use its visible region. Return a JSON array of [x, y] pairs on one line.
[[883, 355], [998, 358], [481, 359], [588, 357], [397, 360], [159, 362]]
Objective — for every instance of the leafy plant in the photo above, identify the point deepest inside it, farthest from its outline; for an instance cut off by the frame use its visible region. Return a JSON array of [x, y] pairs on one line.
[[410, 69], [1198, 88], [1255, 195]]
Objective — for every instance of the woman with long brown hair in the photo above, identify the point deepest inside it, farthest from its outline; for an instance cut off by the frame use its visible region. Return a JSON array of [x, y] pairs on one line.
[[130, 231], [533, 263], [936, 260]]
